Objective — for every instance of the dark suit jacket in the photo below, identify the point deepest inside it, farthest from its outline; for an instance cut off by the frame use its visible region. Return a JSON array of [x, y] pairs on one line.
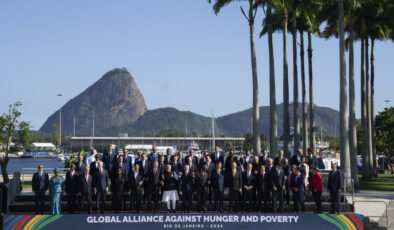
[[107, 159], [72, 182], [153, 181], [248, 181], [277, 180], [93, 168], [100, 182], [218, 181], [229, 162], [188, 182], [335, 182], [278, 160], [194, 161], [214, 160], [201, 183], [168, 161], [40, 183], [193, 168], [85, 187], [299, 182], [154, 157], [295, 161], [80, 168], [234, 181], [134, 182], [263, 160], [261, 181], [145, 171], [176, 167]]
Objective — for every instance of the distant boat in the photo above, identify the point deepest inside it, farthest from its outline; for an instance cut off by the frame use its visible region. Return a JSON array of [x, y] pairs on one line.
[[61, 157]]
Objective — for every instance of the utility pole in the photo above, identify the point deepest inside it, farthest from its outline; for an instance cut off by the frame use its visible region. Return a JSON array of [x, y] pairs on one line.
[[74, 126], [213, 130], [93, 124], [60, 121]]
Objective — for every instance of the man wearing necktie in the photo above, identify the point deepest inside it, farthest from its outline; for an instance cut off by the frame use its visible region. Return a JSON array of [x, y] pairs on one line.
[[80, 165], [218, 184], [299, 188], [278, 186], [279, 158], [100, 187], [169, 158], [187, 187], [216, 156], [335, 187], [262, 187], [154, 156], [192, 166], [248, 188], [40, 183], [85, 190], [136, 181], [234, 184], [71, 189], [153, 186], [264, 157], [202, 188]]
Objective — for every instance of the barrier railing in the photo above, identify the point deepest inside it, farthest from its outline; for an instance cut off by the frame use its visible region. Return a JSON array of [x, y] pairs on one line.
[[374, 201], [31, 171]]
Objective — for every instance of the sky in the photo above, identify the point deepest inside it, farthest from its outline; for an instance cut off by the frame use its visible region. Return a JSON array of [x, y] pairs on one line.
[[180, 54]]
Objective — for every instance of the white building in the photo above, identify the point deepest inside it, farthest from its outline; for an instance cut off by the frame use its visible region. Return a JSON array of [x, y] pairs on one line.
[[41, 146]]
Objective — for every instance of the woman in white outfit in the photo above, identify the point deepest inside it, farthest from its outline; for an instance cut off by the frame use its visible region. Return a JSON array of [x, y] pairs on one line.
[[170, 185]]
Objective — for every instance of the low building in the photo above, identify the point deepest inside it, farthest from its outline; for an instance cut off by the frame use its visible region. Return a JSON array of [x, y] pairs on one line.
[[42, 146]]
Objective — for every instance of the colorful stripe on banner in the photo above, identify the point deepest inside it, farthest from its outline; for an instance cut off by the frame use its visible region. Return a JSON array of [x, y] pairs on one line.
[[29, 222], [344, 222]]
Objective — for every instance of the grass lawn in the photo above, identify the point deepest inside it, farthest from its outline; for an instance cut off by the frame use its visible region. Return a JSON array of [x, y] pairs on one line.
[[383, 182]]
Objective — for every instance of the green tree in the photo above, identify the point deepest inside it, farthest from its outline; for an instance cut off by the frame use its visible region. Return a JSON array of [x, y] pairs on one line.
[[24, 135], [385, 131], [8, 123], [250, 17], [55, 135]]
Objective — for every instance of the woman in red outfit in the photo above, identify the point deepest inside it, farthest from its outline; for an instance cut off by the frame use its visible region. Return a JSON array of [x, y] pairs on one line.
[[317, 188]]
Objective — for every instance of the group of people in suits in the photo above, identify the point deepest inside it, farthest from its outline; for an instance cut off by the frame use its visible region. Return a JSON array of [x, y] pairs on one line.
[[252, 182]]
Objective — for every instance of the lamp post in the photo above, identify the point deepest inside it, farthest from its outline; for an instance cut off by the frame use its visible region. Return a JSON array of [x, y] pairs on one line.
[[387, 103], [60, 121]]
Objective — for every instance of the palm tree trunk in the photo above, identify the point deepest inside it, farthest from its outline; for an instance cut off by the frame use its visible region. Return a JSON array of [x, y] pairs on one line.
[[352, 110], [304, 106], [373, 130], [295, 84], [312, 137], [256, 112], [273, 115], [368, 106], [343, 110], [364, 154], [286, 108]]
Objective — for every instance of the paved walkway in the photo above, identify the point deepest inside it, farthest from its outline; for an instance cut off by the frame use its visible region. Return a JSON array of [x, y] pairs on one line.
[[367, 207]]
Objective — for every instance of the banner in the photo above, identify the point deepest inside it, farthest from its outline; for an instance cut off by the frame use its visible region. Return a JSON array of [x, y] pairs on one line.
[[209, 221]]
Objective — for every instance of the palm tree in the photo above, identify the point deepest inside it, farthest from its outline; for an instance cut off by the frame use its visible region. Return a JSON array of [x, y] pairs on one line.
[[343, 112], [303, 93], [218, 5]]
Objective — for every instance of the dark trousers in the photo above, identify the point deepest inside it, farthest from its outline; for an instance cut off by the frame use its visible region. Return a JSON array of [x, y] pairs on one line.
[[86, 198], [247, 196], [262, 198], [39, 200], [100, 201], [201, 199], [153, 196], [335, 198], [278, 194], [299, 199], [135, 201], [71, 202], [317, 197], [218, 198], [187, 198], [234, 199], [287, 192]]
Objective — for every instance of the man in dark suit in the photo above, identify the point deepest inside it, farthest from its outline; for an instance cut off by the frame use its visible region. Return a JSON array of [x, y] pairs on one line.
[[229, 161], [256, 165], [85, 190], [191, 164], [145, 165], [136, 182], [153, 186], [287, 170], [248, 157], [264, 157], [234, 184], [169, 158], [162, 163], [202, 188], [109, 160], [188, 179], [175, 165], [194, 158], [218, 182], [296, 159], [203, 160], [268, 170], [248, 188], [299, 189], [100, 187], [80, 165], [278, 186], [72, 189], [40, 184], [154, 156], [210, 168], [261, 179], [94, 166], [216, 156], [279, 158], [335, 187], [312, 161], [127, 162]]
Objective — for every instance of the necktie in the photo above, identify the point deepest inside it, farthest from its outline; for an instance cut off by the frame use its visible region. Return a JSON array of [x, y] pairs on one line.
[[40, 174], [218, 173], [86, 178], [154, 172], [233, 173], [202, 176]]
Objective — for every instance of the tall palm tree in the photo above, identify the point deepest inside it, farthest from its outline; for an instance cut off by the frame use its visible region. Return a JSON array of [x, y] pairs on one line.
[[343, 111], [286, 106], [296, 123], [352, 99], [218, 5], [303, 93]]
